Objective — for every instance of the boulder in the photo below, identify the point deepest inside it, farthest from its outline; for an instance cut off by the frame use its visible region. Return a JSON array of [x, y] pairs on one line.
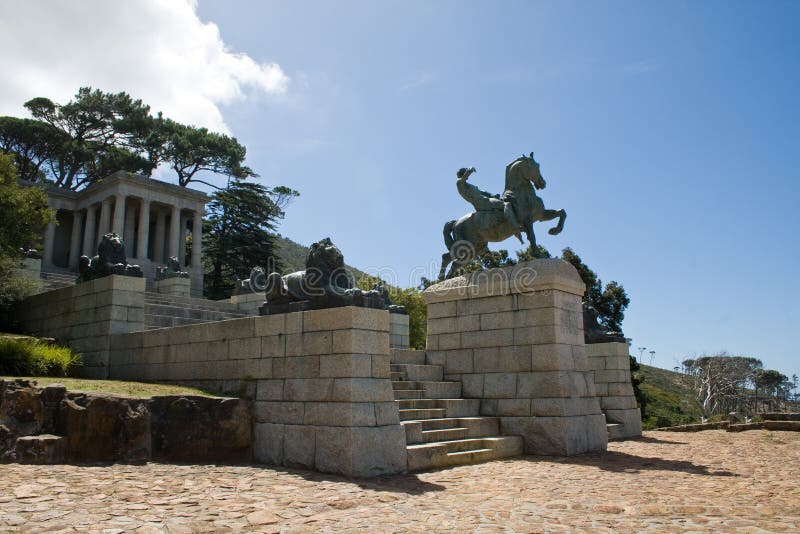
[[104, 428], [192, 428], [21, 408], [42, 449]]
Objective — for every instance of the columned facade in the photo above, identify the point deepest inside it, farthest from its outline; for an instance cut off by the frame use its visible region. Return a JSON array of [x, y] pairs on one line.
[[151, 217]]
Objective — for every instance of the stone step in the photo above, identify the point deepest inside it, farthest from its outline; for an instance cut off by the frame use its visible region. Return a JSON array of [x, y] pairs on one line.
[[476, 427], [408, 356], [615, 431], [452, 407], [416, 414], [189, 302], [463, 451], [397, 376], [179, 309], [440, 390], [167, 321], [408, 394], [445, 434], [403, 384], [419, 373]]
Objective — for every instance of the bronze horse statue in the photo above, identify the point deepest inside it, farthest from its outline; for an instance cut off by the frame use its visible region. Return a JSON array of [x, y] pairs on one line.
[[467, 238]]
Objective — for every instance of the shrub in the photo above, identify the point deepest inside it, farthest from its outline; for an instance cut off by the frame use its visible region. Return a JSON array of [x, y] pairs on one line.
[[33, 357]]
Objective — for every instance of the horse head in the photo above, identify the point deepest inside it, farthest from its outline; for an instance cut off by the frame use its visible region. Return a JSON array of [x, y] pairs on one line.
[[522, 170]]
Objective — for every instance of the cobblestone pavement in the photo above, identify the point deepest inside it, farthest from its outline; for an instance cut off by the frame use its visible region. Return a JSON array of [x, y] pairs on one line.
[[708, 481]]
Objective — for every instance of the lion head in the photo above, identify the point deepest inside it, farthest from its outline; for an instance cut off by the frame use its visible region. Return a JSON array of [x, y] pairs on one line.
[[111, 250], [326, 259]]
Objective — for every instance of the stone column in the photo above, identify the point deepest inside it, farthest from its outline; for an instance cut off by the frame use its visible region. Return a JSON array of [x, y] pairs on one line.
[[142, 239], [89, 231], [182, 241], [158, 245], [513, 337], [174, 231], [105, 218], [119, 216], [129, 232], [197, 239], [75, 239], [49, 238]]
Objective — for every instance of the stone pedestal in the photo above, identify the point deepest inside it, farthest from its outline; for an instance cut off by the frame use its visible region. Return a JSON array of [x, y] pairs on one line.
[[86, 315], [612, 375], [329, 404], [399, 331], [514, 338], [176, 287]]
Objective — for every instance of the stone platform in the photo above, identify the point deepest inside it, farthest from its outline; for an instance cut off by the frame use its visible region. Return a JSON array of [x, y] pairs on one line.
[[513, 337]]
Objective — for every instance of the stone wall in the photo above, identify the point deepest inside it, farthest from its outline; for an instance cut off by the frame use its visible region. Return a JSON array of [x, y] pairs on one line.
[[320, 381], [514, 338], [612, 376], [399, 335], [84, 316]]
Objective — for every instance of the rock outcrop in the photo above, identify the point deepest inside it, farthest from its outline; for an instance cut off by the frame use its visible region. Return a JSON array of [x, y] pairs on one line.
[[51, 425]]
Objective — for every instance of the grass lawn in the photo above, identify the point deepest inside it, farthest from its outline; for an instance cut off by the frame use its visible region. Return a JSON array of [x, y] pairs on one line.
[[133, 389]]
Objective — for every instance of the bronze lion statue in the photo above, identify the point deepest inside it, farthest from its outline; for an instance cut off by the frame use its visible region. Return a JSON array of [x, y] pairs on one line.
[[110, 260], [325, 283]]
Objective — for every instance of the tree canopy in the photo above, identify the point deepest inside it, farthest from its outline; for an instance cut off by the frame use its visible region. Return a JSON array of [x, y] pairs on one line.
[[23, 211], [239, 233], [23, 215], [97, 133]]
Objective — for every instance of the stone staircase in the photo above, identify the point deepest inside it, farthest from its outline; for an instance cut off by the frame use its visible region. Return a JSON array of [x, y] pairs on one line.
[[56, 280], [163, 311], [442, 428]]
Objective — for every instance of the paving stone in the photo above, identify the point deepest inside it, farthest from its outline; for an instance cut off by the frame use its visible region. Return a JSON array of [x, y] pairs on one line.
[[710, 481]]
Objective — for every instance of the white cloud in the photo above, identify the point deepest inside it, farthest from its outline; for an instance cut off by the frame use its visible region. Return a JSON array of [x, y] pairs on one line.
[[156, 50]]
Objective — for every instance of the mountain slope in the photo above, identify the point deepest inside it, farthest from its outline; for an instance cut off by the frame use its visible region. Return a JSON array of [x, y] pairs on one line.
[[670, 398], [293, 257]]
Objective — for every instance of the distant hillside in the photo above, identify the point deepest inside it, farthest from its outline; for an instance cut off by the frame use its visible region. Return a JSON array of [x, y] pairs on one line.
[[670, 398], [293, 257]]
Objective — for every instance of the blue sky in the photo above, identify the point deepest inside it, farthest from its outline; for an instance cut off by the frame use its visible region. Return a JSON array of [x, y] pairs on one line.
[[667, 130]]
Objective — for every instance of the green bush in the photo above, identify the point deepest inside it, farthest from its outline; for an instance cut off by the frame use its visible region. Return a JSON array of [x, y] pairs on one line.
[[21, 356]]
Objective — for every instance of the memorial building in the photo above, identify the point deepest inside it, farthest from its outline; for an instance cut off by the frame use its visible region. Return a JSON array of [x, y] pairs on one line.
[[152, 217]]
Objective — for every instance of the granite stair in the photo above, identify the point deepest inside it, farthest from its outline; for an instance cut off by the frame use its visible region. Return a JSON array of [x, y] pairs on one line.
[[164, 311], [442, 428], [56, 279]]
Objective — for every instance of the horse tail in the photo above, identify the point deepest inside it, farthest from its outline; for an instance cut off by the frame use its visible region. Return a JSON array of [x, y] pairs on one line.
[[449, 239]]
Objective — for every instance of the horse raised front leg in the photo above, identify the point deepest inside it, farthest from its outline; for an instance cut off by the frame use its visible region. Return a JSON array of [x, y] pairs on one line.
[[549, 215]]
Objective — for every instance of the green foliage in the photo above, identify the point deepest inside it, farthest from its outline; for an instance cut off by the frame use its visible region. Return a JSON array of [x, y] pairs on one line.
[[13, 288], [719, 381], [609, 301], [190, 150], [23, 211], [238, 235], [80, 142], [22, 356], [415, 305], [533, 254], [23, 215]]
